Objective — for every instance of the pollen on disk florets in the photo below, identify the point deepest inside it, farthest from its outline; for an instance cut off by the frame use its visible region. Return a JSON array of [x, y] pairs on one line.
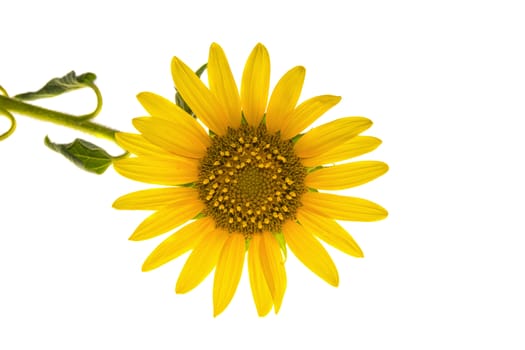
[[251, 181]]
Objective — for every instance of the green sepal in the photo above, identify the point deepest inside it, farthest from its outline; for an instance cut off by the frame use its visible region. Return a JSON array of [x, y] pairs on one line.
[[58, 86], [199, 216], [179, 101], [247, 242], [189, 184], [311, 170], [84, 154], [297, 137], [282, 243]]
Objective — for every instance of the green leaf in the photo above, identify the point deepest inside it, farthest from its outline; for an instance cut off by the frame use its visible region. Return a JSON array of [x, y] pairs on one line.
[[57, 86], [282, 243], [179, 101], [84, 154]]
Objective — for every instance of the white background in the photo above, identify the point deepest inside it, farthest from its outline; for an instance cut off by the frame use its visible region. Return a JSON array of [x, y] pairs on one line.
[[444, 83]]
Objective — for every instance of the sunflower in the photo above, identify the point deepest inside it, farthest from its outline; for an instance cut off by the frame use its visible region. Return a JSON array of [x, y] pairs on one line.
[[245, 180]]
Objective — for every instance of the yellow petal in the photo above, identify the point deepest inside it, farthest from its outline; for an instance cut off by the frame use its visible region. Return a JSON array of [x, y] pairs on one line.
[[179, 243], [354, 147], [343, 176], [310, 252], [201, 101], [306, 113], [342, 207], [284, 98], [159, 107], [255, 85], [329, 231], [228, 272], [167, 218], [260, 291], [178, 137], [155, 198], [223, 85], [138, 145], [272, 264], [327, 136], [155, 170], [201, 261]]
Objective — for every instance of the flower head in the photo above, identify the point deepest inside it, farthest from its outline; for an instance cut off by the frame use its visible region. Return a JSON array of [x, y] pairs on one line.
[[248, 181]]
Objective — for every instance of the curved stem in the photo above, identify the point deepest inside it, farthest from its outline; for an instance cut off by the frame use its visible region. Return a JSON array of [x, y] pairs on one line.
[[81, 123], [9, 116], [11, 128], [99, 103]]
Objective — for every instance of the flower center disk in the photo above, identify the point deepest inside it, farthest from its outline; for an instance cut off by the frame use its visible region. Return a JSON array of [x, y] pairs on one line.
[[251, 181]]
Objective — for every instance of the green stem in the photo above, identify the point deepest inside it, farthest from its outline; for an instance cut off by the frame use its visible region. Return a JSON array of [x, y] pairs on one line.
[[99, 103], [11, 120], [79, 123]]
